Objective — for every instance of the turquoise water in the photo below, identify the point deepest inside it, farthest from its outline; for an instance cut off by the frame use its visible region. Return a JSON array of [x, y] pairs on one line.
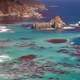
[[60, 57]]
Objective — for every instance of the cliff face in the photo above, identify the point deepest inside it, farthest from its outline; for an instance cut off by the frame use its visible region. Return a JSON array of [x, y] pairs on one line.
[[21, 8]]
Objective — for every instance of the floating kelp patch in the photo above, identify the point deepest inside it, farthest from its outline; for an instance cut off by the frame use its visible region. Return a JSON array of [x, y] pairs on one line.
[[57, 41], [27, 58]]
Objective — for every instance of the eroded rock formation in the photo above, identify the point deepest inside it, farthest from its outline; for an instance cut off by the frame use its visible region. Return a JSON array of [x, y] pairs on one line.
[[58, 22], [55, 22]]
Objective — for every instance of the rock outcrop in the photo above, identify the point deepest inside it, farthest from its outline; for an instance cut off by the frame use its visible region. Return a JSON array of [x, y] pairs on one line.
[[42, 26], [56, 23]]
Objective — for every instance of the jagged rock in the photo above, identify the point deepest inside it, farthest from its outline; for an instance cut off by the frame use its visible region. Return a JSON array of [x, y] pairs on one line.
[[58, 22]]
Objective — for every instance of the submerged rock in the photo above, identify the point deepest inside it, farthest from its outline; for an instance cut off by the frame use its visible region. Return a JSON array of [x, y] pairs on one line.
[[27, 58], [57, 41]]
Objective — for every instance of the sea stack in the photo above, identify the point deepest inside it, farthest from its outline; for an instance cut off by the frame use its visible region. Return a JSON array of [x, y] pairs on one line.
[[54, 23], [58, 23]]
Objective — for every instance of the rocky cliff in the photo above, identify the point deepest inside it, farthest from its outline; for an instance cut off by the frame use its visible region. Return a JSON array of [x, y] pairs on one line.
[[21, 8]]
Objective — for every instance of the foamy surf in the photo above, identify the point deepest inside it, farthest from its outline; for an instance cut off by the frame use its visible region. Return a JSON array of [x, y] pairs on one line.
[[4, 58], [4, 29]]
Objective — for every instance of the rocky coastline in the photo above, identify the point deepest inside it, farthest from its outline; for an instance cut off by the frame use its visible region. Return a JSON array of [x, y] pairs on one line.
[[19, 10]]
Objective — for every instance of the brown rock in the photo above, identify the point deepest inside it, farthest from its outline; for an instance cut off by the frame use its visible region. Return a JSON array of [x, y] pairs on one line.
[[57, 41]]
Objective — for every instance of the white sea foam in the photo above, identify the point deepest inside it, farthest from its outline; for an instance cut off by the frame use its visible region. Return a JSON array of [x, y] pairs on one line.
[[4, 29], [4, 58], [69, 27]]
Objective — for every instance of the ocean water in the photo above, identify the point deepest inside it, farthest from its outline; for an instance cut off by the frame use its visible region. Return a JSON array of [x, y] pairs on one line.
[[67, 9], [54, 61]]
